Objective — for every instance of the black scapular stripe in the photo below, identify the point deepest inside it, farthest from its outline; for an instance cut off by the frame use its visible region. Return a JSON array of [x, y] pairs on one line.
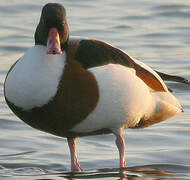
[[93, 53]]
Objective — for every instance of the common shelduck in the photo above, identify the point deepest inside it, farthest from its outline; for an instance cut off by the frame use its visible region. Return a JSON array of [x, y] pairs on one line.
[[73, 86]]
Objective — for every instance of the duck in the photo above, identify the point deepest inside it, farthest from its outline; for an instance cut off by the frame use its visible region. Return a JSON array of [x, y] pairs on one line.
[[72, 86]]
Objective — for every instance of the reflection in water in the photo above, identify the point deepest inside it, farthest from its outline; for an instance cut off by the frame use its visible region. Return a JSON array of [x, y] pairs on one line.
[[148, 172], [144, 172]]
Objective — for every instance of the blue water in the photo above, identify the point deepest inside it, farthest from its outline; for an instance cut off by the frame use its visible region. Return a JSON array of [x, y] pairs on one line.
[[155, 32]]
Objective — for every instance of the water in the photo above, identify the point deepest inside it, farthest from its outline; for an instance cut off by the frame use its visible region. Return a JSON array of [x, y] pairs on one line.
[[155, 32]]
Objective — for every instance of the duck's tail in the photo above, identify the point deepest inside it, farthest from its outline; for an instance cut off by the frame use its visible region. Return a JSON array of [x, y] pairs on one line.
[[168, 77], [166, 106]]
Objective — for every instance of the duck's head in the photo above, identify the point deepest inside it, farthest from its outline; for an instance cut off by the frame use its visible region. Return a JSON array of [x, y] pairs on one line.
[[52, 30]]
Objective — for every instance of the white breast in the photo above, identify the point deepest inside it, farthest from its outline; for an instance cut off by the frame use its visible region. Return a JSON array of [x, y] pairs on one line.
[[34, 79]]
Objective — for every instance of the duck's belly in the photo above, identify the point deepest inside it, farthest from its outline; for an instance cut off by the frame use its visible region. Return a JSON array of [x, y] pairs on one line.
[[124, 100]]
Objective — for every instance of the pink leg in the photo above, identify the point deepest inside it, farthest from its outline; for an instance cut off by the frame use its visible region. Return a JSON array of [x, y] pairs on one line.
[[120, 142], [75, 166]]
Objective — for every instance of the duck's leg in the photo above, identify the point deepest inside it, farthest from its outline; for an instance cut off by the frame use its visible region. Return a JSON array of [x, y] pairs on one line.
[[75, 166], [120, 143]]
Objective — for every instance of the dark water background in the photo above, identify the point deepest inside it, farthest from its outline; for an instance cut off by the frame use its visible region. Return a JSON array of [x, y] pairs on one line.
[[155, 32]]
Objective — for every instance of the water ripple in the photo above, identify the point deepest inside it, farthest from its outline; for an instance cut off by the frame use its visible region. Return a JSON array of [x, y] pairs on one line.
[[174, 14], [13, 48]]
